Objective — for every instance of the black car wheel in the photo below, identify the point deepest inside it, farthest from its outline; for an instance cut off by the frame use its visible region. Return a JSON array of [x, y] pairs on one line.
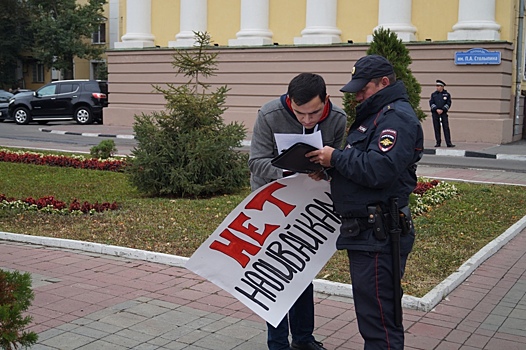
[[83, 115], [21, 115]]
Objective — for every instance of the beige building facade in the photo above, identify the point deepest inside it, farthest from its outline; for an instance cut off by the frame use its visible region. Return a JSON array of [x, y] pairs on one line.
[[472, 45]]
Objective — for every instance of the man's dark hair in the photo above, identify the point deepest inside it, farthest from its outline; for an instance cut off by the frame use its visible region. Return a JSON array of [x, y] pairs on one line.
[[305, 87]]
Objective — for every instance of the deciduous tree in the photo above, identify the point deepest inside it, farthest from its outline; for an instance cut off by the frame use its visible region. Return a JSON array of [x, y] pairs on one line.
[[62, 30], [14, 39]]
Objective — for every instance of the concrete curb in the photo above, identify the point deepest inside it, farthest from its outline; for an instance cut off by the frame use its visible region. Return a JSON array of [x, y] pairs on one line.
[[426, 303], [246, 143], [105, 249], [473, 154], [433, 297], [87, 134]]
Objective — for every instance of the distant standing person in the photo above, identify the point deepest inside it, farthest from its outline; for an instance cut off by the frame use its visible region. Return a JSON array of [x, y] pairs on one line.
[[440, 103], [304, 109]]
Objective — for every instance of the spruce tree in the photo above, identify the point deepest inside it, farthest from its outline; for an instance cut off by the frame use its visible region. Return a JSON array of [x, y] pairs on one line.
[[386, 43], [188, 150], [15, 298]]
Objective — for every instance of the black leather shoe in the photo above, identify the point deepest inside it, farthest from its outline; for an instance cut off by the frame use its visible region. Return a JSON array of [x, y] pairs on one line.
[[451, 145], [315, 345], [437, 145]]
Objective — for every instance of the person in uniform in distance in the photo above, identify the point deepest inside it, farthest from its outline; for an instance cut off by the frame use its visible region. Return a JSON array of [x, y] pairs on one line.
[[440, 103]]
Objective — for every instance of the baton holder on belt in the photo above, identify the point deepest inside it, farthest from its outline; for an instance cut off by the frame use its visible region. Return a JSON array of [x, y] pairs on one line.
[[394, 232], [375, 217]]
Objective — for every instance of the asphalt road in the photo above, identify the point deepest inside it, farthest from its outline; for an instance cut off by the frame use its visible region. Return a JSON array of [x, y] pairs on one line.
[[30, 136], [474, 163]]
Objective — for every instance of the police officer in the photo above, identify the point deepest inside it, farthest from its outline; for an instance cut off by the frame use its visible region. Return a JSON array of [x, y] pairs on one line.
[[440, 102], [377, 165]]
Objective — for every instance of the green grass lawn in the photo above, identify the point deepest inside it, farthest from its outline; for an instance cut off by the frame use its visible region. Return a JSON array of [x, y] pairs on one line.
[[447, 236]]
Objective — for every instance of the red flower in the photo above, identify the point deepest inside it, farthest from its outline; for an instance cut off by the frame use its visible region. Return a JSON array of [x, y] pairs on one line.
[[62, 161], [75, 205], [422, 187]]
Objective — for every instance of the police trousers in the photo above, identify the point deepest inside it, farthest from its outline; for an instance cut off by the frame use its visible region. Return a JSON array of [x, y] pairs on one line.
[[372, 285], [444, 120]]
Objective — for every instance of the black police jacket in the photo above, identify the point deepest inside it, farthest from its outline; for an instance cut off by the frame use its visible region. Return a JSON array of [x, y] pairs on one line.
[[378, 162], [440, 100]]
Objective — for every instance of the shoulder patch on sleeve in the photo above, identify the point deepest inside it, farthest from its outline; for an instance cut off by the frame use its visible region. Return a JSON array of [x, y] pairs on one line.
[[387, 140], [388, 108]]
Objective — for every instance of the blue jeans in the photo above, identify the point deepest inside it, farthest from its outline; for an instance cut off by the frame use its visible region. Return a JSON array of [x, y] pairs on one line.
[[301, 319]]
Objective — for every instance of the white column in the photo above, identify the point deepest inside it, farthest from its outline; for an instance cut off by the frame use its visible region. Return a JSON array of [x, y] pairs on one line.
[[396, 16], [254, 24], [193, 19], [321, 24], [113, 23], [476, 21], [138, 25]]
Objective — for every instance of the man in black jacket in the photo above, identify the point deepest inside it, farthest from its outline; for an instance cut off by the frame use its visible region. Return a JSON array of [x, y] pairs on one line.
[[440, 102], [376, 167]]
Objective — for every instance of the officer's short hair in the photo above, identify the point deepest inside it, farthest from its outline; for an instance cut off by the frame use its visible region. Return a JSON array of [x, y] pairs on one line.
[[391, 77], [306, 86]]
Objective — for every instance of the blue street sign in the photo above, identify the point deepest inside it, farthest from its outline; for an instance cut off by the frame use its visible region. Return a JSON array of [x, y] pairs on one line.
[[477, 56]]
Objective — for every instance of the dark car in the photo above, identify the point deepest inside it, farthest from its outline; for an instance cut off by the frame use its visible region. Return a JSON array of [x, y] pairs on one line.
[[17, 91], [4, 103], [80, 100]]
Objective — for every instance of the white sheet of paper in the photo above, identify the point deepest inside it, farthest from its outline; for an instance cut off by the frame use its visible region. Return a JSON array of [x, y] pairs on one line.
[[284, 141]]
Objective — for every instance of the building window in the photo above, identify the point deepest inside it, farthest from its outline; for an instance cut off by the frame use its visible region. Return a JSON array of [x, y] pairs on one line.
[[38, 73], [99, 37], [99, 70]]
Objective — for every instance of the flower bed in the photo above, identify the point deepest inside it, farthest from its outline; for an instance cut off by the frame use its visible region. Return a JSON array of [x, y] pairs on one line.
[[74, 161], [51, 205], [429, 193]]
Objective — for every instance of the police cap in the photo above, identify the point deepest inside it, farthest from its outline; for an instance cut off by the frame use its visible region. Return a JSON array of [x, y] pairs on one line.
[[366, 69], [440, 83]]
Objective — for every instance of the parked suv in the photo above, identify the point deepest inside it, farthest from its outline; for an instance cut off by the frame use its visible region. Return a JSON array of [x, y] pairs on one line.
[[4, 100], [80, 100]]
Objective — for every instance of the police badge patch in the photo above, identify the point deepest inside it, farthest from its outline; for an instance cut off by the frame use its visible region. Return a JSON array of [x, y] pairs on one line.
[[387, 140]]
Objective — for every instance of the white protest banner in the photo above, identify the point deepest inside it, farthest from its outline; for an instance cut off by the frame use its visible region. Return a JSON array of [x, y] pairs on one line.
[[272, 245]]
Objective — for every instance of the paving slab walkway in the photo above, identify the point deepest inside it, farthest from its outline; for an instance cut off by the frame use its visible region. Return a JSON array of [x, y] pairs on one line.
[[86, 300], [93, 301]]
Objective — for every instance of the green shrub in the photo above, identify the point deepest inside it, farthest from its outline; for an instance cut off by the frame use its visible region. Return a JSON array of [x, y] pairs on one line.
[[188, 150], [15, 298], [103, 150]]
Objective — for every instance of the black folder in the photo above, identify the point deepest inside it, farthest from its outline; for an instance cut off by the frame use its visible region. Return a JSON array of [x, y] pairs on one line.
[[294, 159]]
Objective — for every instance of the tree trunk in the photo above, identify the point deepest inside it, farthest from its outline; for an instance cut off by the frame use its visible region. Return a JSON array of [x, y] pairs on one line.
[[68, 71]]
